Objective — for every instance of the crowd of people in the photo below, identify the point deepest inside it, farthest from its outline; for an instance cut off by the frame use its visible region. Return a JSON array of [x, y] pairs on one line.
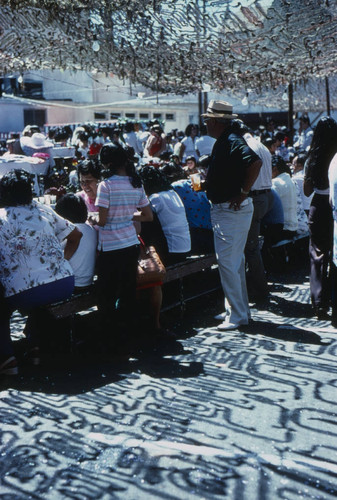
[[222, 188]]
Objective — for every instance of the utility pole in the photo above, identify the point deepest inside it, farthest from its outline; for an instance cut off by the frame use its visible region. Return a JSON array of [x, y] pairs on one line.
[[327, 92], [291, 111], [200, 107]]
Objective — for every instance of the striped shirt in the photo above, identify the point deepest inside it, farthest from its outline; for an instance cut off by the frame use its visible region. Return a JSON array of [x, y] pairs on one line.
[[122, 200]]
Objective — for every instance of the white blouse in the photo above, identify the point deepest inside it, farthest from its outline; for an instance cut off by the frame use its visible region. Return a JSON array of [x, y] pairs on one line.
[[172, 216]]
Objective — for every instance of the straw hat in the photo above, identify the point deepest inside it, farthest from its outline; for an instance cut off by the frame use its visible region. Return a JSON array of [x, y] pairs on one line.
[[219, 109]]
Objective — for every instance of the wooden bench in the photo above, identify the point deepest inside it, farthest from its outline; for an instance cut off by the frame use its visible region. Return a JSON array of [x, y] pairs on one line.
[[289, 246], [87, 299]]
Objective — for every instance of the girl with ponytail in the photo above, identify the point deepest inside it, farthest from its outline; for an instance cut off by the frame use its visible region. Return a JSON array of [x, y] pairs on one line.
[[122, 201]]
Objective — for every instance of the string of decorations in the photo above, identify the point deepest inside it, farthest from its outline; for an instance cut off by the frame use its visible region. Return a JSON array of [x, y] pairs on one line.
[[174, 45]]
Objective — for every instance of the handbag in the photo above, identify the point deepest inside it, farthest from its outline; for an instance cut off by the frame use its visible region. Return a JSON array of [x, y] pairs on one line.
[[150, 267]]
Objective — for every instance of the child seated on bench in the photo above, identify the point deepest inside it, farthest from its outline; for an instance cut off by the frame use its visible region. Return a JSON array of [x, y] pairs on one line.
[[74, 209]]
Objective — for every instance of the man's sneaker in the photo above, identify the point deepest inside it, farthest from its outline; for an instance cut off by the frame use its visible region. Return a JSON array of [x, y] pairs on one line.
[[227, 325], [9, 366]]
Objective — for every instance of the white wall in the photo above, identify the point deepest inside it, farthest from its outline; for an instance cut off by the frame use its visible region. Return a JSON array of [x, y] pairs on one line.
[[11, 117], [61, 85]]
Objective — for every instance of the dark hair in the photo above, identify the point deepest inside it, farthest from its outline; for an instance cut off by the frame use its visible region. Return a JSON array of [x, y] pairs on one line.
[[322, 149], [52, 132], [280, 136], [239, 127], [173, 172], [301, 158], [16, 189], [89, 167], [114, 156], [189, 127], [278, 162], [304, 118], [191, 158], [129, 127], [165, 156], [72, 208], [62, 134], [106, 130], [154, 180], [83, 136], [269, 142]]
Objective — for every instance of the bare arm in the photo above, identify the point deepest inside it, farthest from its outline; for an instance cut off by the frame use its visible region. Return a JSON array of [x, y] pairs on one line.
[[308, 187], [73, 240], [102, 216], [144, 215], [251, 175], [163, 145], [181, 151]]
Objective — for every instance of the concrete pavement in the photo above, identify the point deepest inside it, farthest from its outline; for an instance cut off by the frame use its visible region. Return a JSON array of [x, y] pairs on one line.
[[244, 415]]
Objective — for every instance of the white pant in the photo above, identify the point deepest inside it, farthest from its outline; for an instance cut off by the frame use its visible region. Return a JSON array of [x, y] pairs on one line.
[[230, 229]]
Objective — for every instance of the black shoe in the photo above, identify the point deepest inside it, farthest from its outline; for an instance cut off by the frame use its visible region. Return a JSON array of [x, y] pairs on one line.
[[322, 313]]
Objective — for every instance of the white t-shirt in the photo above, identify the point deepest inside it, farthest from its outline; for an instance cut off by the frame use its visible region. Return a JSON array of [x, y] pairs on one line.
[[263, 180], [172, 217], [285, 188], [31, 253], [204, 144], [83, 260], [132, 140], [299, 179], [333, 198], [189, 148]]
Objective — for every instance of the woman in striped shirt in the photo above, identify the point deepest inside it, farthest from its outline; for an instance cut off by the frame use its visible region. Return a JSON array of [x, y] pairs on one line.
[[122, 201]]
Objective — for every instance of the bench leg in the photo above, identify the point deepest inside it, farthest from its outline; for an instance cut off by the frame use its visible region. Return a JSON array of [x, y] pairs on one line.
[[181, 297], [71, 333]]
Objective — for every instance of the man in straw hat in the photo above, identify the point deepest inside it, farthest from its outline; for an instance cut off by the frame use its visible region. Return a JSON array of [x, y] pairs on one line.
[[233, 169]]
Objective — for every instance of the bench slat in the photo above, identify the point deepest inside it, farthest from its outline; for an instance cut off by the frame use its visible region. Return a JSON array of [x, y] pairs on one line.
[[188, 267], [81, 302]]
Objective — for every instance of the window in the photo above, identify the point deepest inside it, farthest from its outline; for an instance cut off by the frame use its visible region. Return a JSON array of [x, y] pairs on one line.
[[144, 116], [114, 116], [169, 116], [130, 115], [34, 116], [34, 90], [157, 116], [99, 116]]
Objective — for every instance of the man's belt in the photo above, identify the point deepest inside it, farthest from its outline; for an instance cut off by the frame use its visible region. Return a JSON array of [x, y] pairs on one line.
[[259, 191]]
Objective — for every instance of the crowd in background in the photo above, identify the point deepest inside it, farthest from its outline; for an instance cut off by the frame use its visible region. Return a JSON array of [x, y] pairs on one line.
[[161, 168]]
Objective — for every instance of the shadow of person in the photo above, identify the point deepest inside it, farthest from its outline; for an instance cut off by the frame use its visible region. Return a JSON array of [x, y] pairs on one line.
[[286, 332], [68, 378], [286, 307]]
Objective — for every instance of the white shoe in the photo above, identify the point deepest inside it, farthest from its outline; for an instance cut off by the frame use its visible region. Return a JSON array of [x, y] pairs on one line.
[[227, 325], [221, 316]]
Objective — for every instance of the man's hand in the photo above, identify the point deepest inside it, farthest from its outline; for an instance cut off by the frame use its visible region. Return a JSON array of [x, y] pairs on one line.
[[236, 201]]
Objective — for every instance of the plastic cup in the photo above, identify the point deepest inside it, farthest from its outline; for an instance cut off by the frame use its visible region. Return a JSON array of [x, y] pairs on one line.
[[47, 199], [52, 199], [196, 179]]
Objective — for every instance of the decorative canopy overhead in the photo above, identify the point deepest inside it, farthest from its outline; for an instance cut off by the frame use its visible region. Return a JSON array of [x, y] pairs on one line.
[[174, 45]]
